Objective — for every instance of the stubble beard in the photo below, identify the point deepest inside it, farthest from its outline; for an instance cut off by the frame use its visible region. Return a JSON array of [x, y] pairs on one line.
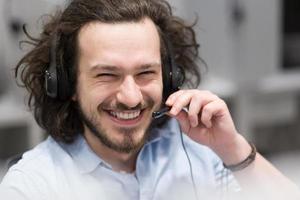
[[128, 143]]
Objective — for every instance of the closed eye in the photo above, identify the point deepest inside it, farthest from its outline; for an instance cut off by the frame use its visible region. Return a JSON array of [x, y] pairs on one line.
[[150, 72], [106, 75]]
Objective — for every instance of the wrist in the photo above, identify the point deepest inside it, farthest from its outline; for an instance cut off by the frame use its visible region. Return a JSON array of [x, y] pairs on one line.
[[234, 152], [245, 163]]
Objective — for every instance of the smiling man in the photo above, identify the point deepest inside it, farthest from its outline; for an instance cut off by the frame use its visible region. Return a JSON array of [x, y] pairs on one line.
[[96, 74], [119, 86]]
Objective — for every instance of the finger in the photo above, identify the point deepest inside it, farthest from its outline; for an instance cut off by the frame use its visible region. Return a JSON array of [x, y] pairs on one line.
[[213, 109], [183, 120], [207, 95], [180, 102], [194, 110], [199, 99], [171, 99]]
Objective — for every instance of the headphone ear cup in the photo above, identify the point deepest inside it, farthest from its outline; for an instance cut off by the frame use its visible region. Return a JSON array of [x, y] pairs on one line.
[[166, 81], [173, 78], [177, 78], [63, 84], [51, 82], [51, 73], [173, 75], [57, 82]]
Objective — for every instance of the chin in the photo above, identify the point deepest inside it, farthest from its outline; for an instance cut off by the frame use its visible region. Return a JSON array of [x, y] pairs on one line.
[[129, 139]]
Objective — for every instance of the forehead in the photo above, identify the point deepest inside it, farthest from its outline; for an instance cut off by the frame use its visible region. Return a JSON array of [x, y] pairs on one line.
[[114, 43]]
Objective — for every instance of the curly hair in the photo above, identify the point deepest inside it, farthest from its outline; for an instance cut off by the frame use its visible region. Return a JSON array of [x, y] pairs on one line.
[[60, 118]]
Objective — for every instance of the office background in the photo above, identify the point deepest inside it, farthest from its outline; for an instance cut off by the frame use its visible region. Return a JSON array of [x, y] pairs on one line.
[[252, 51]]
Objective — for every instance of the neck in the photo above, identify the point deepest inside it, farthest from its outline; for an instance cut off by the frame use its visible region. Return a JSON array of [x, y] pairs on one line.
[[120, 162]]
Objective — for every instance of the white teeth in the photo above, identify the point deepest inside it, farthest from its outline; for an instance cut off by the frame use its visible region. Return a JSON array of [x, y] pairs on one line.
[[126, 115]]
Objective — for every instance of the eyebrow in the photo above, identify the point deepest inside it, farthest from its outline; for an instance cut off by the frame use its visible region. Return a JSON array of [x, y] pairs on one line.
[[149, 65], [104, 67], [113, 68]]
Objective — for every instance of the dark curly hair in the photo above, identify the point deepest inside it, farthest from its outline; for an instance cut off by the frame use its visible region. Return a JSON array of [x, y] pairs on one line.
[[60, 118]]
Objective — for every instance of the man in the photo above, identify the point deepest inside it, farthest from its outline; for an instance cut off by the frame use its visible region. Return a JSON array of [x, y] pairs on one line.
[[95, 76]]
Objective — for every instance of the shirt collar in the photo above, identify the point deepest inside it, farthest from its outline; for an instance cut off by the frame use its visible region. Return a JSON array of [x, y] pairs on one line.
[[87, 160], [84, 157]]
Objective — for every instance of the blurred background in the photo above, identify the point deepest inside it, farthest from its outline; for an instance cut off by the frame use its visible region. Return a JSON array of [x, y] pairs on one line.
[[252, 51]]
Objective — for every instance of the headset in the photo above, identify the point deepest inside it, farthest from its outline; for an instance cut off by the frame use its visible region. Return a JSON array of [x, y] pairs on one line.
[[173, 74], [58, 84]]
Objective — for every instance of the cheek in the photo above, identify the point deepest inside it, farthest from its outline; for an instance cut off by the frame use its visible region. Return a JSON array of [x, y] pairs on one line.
[[91, 97], [155, 91], [99, 95]]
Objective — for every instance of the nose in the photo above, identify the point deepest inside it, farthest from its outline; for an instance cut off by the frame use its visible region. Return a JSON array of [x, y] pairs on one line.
[[129, 93]]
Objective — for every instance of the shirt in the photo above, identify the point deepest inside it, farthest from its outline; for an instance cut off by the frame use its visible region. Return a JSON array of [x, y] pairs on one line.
[[169, 166]]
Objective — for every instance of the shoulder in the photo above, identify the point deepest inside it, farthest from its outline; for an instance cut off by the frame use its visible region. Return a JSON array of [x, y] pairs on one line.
[[33, 176], [40, 158]]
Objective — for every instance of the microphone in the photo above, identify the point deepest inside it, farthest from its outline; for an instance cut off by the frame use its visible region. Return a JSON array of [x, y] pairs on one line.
[[161, 112]]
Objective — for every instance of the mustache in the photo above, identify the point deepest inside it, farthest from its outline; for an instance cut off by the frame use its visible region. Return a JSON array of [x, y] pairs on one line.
[[122, 107]]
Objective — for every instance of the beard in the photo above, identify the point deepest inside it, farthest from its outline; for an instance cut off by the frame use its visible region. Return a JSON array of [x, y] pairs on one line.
[[130, 141]]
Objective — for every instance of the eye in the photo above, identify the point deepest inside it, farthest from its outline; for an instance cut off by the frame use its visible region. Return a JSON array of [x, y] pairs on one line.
[[149, 72], [106, 77]]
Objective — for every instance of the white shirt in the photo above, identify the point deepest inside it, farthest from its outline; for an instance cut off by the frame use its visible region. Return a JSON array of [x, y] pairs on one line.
[[53, 171]]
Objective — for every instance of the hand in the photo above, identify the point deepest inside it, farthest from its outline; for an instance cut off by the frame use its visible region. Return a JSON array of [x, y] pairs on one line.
[[208, 122], [207, 119]]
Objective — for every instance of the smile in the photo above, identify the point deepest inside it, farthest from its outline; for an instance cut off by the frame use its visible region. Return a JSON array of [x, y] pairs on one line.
[[125, 115]]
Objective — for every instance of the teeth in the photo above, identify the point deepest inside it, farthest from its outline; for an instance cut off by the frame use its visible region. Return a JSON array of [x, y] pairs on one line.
[[125, 115]]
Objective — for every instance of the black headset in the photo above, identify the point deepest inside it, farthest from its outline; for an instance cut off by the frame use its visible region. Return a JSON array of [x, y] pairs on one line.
[[173, 74], [58, 84]]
